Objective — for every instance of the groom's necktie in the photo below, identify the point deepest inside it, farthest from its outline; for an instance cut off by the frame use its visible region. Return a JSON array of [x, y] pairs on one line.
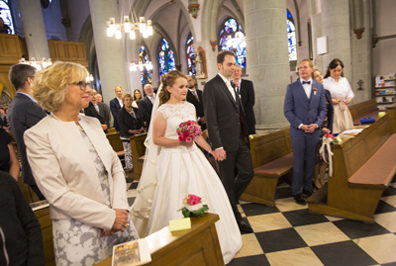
[[306, 82]]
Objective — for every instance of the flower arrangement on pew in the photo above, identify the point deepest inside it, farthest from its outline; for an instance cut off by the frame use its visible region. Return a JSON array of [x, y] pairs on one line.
[[327, 140], [189, 130], [193, 206]]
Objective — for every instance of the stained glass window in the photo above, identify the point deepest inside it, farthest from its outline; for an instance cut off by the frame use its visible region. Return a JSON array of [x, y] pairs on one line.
[[191, 56], [145, 75], [232, 38], [5, 14], [166, 58], [291, 37]]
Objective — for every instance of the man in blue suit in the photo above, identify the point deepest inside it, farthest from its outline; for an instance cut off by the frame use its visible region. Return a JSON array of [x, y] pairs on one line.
[[305, 108]]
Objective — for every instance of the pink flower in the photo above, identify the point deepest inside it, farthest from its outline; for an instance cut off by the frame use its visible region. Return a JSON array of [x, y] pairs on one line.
[[315, 89]]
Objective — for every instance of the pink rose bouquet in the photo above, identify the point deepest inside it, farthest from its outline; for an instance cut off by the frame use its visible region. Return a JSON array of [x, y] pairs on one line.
[[189, 130], [193, 206]]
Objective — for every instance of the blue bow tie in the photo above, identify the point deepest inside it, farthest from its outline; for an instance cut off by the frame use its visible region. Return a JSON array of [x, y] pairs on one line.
[[306, 82]]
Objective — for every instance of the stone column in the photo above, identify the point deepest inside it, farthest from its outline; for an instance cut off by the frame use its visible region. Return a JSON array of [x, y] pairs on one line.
[[34, 28], [267, 59], [109, 50], [361, 55], [335, 25], [316, 22]]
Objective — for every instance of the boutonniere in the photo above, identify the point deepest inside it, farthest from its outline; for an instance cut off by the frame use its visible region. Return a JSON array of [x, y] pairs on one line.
[[315, 89]]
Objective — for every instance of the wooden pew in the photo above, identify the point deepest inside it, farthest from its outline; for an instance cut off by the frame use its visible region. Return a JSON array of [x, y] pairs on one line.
[[356, 198], [198, 247], [45, 221], [391, 110], [138, 150], [272, 157], [363, 109], [116, 143]]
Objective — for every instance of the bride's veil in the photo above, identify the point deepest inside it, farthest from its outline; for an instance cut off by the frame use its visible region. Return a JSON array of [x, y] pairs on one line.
[[140, 210]]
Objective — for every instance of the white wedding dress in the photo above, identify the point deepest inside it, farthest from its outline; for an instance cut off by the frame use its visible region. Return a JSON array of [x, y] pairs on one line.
[[185, 170]]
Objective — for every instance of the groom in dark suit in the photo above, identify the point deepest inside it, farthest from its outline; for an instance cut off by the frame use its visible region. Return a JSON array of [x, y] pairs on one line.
[[23, 114], [228, 133], [305, 108]]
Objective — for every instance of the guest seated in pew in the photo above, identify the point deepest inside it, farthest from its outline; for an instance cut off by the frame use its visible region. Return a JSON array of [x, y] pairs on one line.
[[341, 95], [321, 165], [21, 242], [305, 109], [8, 159], [77, 170], [131, 122]]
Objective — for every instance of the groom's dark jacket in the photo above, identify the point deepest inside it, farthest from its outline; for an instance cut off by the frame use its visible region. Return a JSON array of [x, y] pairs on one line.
[[223, 116]]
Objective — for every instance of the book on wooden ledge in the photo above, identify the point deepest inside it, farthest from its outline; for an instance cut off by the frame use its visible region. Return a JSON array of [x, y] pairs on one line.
[[38, 205], [131, 253]]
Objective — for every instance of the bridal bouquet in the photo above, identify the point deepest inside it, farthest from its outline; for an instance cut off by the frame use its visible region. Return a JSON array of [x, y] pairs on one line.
[[193, 206], [189, 130]]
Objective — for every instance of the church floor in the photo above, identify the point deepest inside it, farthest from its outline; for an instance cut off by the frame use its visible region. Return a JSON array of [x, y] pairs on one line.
[[288, 234]]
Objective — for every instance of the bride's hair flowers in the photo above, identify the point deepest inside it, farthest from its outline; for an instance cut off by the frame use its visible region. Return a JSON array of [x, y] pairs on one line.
[[188, 131], [193, 206]]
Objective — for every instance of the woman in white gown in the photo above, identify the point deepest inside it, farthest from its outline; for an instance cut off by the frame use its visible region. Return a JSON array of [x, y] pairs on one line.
[[174, 169]]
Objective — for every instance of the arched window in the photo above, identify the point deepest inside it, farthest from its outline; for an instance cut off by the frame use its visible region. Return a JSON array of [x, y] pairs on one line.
[[232, 38], [191, 56], [145, 75], [5, 14], [166, 58], [291, 37]]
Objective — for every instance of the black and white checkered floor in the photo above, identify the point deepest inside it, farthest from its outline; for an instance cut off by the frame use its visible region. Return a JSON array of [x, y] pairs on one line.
[[288, 234]]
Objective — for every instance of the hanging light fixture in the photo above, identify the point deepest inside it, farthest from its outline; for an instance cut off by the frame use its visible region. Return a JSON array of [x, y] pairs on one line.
[[134, 67], [37, 64], [113, 28]]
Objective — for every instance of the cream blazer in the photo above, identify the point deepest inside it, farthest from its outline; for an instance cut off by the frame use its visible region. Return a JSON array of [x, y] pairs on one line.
[[66, 175]]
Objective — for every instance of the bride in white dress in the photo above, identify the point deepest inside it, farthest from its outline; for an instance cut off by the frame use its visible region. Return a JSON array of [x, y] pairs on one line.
[[174, 169]]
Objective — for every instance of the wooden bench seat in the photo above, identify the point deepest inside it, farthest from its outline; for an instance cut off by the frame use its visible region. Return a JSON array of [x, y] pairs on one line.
[[363, 166], [272, 157], [276, 168], [378, 170]]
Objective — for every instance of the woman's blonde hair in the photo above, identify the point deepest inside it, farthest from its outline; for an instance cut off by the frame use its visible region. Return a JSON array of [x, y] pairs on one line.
[[51, 83], [126, 95], [168, 80]]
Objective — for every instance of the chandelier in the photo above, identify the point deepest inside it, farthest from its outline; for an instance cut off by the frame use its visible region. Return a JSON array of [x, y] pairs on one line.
[[239, 39], [146, 29], [134, 67], [37, 64]]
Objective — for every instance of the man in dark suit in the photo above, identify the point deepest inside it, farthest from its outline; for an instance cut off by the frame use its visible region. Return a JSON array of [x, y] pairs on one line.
[[116, 105], [98, 110], [305, 108], [194, 96], [146, 104], [228, 133], [245, 89], [23, 114]]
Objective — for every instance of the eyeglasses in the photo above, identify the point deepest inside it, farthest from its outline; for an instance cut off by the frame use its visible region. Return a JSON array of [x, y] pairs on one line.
[[83, 85]]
